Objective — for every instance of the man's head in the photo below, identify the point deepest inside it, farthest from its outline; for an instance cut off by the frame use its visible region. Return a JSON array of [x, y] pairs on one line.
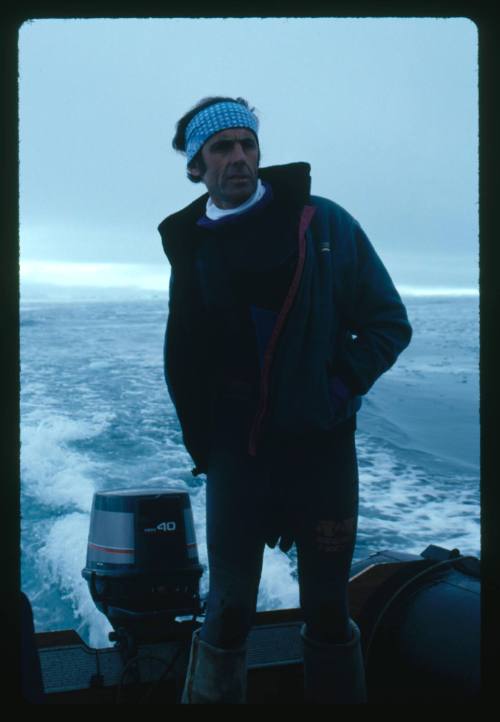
[[219, 138]]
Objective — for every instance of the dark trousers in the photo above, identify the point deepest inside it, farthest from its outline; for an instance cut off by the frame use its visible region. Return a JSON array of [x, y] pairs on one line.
[[305, 486]]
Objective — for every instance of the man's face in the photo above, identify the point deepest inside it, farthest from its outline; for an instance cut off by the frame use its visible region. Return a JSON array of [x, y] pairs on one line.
[[232, 159]]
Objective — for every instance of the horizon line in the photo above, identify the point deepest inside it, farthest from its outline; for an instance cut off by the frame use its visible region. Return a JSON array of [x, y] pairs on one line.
[[34, 290], [106, 276]]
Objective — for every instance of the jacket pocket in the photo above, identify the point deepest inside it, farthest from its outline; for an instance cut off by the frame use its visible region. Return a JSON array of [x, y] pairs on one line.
[[342, 402]]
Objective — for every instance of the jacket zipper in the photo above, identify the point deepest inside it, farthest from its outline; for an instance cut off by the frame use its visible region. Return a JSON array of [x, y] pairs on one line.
[[305, 220]]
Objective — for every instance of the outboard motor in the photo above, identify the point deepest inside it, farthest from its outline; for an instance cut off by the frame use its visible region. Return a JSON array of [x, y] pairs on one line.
[[142, 561]]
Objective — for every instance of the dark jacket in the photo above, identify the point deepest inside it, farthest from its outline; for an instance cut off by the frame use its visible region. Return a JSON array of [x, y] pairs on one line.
[[341, 319]]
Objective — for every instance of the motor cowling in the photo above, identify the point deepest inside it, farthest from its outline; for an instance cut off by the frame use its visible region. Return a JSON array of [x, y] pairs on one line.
[[142, 559]]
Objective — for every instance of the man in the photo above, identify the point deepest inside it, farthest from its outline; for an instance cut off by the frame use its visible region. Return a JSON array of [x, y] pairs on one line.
[[281, 316]]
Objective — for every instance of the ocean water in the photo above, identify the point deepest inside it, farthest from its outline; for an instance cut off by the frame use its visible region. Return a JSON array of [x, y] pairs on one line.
[[95, 415]]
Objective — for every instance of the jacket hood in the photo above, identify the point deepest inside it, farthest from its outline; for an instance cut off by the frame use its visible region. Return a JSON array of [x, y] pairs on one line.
[[291, 181]]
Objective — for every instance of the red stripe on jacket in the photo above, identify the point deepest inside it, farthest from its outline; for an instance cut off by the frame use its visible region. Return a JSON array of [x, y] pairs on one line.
[[305, 219]]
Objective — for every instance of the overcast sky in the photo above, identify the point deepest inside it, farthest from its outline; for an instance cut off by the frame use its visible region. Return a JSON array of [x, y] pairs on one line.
[[385, 110]]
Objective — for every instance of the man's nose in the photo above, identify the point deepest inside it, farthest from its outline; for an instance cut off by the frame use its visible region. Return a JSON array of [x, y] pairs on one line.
[[238, 153]]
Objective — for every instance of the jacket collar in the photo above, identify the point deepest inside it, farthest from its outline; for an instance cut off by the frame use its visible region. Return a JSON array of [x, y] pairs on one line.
[[291, 183]]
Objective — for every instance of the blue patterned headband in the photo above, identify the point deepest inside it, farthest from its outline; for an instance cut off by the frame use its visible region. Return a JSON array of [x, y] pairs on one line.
[[213, 119]]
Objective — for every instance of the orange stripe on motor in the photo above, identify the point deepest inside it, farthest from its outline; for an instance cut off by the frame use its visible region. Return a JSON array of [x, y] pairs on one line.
[[111, 551]]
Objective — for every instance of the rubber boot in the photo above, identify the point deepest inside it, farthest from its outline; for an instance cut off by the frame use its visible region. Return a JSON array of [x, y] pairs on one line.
[[214, 675], [334, 673]]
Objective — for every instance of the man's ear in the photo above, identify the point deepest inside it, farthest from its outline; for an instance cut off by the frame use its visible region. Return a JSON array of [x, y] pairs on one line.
[[194, 169]]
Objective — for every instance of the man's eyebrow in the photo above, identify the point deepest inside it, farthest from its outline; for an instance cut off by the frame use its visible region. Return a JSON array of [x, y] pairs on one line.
[[230, 141]]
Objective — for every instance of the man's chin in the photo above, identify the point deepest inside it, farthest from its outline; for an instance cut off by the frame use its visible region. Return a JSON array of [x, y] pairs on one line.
[[237, 196]]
